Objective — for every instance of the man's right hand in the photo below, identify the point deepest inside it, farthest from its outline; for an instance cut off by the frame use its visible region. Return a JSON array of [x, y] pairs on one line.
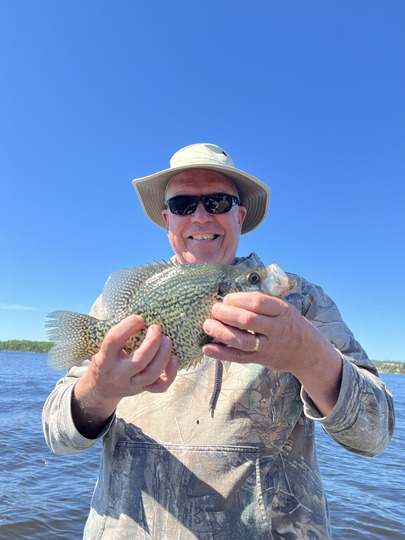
[[114, 374]]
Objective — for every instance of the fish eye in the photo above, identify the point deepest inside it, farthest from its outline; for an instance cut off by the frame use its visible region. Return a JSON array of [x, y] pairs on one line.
[[254, 278]]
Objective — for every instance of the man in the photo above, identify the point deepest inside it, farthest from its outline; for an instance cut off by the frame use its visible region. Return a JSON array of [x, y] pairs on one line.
[[170, 469]]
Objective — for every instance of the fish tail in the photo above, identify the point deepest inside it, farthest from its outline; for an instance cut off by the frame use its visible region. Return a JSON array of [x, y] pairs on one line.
[[76, 337]]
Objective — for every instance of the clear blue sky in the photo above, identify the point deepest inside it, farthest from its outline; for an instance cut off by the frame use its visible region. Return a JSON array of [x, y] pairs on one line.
[[307, 96]]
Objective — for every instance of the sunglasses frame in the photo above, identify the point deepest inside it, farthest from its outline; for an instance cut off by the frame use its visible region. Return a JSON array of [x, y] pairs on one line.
[[195, 199]]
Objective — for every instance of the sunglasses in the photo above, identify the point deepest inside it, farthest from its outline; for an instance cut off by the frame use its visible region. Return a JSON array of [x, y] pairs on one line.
[[214, 203]]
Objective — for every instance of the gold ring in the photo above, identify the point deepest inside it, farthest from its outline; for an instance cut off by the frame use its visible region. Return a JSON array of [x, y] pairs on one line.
[[257, 344]]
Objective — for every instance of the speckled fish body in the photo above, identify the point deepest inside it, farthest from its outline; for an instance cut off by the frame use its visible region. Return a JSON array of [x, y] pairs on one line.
[[178, 298]]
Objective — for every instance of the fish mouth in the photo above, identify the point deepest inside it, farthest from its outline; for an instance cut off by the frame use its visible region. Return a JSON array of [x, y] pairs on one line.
[[203, 236], [277, 282]]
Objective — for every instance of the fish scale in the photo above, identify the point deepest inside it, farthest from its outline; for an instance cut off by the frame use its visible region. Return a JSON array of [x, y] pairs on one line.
[[178, 298], [173, 311]]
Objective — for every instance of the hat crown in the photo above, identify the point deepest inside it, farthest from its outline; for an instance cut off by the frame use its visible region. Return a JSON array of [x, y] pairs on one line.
[[201, 154]]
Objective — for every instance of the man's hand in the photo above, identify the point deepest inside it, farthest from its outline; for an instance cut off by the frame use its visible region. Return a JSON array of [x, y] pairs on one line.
[[114, 374], [288, 342]]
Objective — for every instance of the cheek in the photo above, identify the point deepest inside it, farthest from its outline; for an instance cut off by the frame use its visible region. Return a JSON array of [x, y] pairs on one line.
[[174, 232], [171, 225], [171, 236], [234, 228]]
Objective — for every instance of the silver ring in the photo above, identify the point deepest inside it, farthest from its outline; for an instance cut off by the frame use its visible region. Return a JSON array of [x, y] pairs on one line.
[[257, 344]]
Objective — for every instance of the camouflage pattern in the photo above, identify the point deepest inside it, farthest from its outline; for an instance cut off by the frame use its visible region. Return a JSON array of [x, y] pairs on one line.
[[170, 471]]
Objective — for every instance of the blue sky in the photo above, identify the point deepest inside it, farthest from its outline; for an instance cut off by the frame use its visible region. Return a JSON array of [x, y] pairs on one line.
[[307, 96]]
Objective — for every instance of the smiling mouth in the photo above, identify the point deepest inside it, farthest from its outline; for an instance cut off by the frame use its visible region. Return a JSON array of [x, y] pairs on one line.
[[203, 236]]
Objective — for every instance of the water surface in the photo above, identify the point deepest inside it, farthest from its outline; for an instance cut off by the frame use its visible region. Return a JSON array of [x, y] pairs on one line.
[[47, 496]]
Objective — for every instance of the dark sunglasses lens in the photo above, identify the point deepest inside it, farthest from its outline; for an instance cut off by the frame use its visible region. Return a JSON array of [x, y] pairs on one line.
[[218, 204], [183, 205]]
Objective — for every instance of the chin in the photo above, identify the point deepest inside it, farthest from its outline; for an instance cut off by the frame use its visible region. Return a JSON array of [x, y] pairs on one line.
[[202, 259], [215, 258]]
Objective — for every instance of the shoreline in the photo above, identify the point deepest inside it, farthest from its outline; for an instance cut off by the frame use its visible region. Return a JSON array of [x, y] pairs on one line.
[[383, 366]]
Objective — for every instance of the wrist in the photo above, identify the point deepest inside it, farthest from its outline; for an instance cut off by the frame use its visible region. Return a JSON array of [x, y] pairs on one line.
[[322, 378], [90, 411]]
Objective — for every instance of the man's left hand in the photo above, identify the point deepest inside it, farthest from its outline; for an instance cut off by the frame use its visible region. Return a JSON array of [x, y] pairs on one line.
[[287, 342]]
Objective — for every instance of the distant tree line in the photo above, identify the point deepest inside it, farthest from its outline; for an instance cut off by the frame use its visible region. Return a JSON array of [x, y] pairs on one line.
[[387, 366], [24, 345]]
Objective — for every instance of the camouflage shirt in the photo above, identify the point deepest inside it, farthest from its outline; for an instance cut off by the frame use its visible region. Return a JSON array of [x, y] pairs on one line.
[[171, 471]]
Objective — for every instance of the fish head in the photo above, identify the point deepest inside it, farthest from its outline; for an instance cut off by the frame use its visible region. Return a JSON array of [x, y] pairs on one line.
[[271, 280]]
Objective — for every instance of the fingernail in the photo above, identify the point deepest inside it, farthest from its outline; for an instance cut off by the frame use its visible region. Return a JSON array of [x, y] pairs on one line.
[[207, 327], [174, 359]]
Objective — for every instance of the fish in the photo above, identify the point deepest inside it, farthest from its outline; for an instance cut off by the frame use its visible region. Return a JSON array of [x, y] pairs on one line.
[[179, 298]]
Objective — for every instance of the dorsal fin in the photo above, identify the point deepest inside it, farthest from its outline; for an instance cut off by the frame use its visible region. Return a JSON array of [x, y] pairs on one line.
[[122, 284]]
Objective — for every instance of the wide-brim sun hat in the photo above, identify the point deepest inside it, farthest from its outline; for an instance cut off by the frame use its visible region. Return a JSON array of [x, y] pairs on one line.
[[253, 193]]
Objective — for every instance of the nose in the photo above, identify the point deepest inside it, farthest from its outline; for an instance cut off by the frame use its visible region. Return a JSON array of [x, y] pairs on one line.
[[201, 215]]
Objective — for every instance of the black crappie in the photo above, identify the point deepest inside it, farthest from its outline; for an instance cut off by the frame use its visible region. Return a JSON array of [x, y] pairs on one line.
[[178, 298]]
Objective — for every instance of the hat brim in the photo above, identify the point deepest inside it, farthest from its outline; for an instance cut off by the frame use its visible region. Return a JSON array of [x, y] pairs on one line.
[[253, 193]]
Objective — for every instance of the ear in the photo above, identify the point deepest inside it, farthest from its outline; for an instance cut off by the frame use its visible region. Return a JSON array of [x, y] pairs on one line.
[[241, 215], [165, 217]]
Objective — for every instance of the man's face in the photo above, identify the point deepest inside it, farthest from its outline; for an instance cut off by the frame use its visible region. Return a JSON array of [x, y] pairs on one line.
[[203, 237]]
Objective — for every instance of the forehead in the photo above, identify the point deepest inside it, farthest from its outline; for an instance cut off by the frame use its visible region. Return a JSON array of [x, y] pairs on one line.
[[199, 182]]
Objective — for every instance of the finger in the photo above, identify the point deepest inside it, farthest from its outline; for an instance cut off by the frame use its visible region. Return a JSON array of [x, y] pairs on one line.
[[166, 377], [149, 347], [260, 322], [230, 336], [240, 318], [119, 334], [155, 365], [231, 354], [256, 302]]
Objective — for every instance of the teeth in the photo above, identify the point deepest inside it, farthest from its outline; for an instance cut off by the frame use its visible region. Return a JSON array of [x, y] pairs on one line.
[[203, 237]]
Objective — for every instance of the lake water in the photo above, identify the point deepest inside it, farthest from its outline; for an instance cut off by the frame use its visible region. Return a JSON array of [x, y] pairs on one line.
[[44, 496]]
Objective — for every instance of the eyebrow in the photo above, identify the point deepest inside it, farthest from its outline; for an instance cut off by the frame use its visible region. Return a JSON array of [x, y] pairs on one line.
[[229, 180]]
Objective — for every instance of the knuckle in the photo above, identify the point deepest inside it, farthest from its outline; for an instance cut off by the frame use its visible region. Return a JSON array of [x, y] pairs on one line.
[[109, 338], [257, 301], [248, 319], [287, 309], [140, 360]]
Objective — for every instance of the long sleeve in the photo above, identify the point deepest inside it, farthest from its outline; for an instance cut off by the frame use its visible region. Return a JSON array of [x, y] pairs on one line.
[[363, 418]]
